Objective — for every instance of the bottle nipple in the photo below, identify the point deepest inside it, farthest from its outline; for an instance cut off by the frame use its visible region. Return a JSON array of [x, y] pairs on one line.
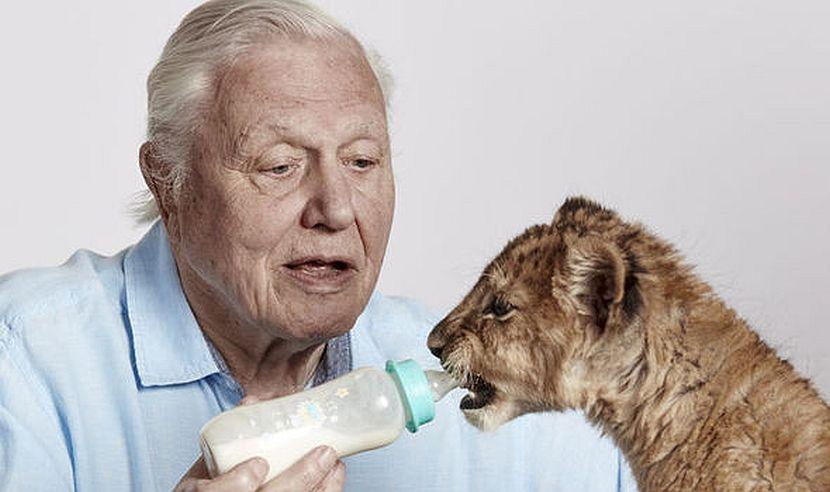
[[440, 383]]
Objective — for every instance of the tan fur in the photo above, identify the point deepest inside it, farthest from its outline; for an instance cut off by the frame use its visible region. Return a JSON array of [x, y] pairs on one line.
[[607, 319]]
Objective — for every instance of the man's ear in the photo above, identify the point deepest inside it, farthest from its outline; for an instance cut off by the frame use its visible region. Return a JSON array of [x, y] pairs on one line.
[[603, 281], [154, 171]]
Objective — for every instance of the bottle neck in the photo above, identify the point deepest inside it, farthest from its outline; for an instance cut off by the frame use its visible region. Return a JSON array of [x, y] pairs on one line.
[[440, 383]]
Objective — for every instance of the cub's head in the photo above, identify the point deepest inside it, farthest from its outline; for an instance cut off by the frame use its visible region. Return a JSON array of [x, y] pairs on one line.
[[548, 318]]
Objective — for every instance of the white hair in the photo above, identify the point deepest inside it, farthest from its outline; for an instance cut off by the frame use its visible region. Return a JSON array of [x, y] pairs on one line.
[[209, 38]]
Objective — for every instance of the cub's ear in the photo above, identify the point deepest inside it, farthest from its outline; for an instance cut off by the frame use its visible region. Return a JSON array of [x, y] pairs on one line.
[[576, 204], [603, 281], [581, 215]]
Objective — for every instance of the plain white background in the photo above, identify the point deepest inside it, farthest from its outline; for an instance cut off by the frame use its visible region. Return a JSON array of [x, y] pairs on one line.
[[709, 121]]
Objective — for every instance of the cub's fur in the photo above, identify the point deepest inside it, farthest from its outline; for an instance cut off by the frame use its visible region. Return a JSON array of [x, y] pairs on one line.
[[597, 314]]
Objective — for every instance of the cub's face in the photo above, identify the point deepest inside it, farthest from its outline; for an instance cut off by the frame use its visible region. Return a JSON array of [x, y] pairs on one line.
[[498, 341], [523, 338]]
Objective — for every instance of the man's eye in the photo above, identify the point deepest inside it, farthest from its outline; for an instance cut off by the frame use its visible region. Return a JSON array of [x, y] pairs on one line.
[[280, 170], [500, 308], [363, 163]]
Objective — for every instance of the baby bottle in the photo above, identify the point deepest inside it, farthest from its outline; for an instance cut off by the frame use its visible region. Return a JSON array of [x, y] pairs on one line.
[[362, 410]]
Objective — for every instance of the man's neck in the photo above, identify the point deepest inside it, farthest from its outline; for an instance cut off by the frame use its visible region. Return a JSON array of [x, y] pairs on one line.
[[276, 369], [265, 365]]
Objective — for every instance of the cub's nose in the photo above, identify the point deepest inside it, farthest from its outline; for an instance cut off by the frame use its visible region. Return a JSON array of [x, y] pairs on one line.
[[436, 341], [436, 351]]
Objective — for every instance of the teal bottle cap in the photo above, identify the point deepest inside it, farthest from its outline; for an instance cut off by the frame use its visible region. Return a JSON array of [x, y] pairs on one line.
[[415, 392]]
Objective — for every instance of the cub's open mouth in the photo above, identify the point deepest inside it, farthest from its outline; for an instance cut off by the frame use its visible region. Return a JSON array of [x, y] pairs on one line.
[[480, 394]]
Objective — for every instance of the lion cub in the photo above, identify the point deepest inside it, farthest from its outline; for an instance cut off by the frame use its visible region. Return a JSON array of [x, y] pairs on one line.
[[597, 314]]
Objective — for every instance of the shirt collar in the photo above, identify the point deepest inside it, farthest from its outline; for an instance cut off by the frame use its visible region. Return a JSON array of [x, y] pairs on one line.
[[337, 360], [168, 345]]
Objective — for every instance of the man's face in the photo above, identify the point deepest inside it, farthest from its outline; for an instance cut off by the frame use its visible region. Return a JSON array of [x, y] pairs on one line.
[[285, 215]]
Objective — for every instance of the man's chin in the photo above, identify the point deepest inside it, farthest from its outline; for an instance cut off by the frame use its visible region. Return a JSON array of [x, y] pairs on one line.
[[308, 315], [312, 322], [315, 330]]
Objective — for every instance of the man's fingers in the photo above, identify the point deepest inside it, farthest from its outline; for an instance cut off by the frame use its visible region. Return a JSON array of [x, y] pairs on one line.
[[198, 470], [335, 480], [306, 474], [247, 476], [248, 400]]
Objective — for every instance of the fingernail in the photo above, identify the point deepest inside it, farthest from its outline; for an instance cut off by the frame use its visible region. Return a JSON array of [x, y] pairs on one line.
[[326, 457], [260, 467], [248, 400]]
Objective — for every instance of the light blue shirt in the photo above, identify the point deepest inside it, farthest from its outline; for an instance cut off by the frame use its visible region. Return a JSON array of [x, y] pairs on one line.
[[106, 379]]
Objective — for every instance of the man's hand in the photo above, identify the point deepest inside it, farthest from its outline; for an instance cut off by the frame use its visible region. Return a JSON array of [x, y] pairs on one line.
[[319, 470]]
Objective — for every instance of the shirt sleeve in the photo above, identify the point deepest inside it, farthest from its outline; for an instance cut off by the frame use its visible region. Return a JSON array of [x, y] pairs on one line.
[[33, 451], [625, 479]]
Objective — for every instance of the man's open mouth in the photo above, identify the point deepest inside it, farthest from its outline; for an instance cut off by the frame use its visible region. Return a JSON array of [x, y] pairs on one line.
[[480, 393], [320, 268]]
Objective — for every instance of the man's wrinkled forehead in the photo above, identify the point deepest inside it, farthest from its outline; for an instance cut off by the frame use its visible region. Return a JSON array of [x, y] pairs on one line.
[[289, 78]]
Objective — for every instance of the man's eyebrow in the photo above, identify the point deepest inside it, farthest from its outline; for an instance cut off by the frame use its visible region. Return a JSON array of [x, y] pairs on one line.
[[278, 128], [257, 132], [375, 131], [367, 130], [269, 132], [373, 141]]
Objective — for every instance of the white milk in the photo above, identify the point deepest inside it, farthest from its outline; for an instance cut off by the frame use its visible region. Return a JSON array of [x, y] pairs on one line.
[[283, 449], [365, 409]]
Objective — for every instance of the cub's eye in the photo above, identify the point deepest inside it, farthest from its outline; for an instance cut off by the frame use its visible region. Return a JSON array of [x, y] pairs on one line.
[[500, 308]]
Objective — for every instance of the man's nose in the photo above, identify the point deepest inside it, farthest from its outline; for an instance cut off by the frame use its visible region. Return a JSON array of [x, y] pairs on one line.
[[330, 201]]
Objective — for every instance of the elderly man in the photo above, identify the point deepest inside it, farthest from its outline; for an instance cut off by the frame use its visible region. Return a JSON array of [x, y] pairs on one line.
[[268, 160]]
